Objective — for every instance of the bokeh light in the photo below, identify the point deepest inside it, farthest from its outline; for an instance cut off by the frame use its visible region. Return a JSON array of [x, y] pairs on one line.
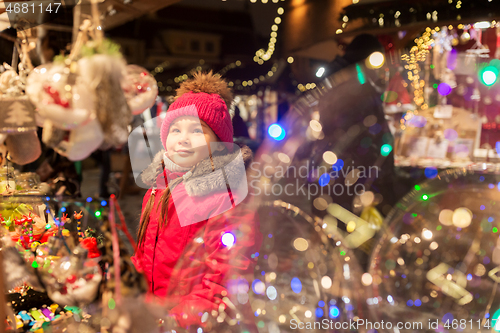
[[228, 239], [376, 60], [276, 132], [444, 89], [488, 75]]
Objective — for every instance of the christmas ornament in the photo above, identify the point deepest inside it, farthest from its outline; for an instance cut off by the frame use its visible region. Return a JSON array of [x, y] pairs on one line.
[[80, 142], [104, 74], [73, 280], [23, 148], [3, 153], [35, 81], [301, 274], [140, 88], [61, 95], [90, 244], [437, 261], [396, 98], [16, 114]]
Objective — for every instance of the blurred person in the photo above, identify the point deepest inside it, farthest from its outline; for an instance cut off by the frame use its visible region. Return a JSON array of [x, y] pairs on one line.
[[239, 125]]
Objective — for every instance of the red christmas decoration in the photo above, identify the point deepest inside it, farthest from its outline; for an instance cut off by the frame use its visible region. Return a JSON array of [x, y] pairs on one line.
[[90, 243], [56, 97]]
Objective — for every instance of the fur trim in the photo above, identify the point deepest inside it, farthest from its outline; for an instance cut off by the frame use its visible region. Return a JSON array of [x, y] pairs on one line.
[[208, 83], [149, 174], [202, 180]]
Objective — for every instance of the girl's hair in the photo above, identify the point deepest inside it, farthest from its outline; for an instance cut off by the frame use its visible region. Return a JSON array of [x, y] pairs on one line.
[[143, 226]]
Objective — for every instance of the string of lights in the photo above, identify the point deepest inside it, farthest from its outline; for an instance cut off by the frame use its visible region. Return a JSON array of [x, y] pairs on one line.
[[237, 84], [264, 55], [240, 85], [417, 54], [383, 16], [266, 1]]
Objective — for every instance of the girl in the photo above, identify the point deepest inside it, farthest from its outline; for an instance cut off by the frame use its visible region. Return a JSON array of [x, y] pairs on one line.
[[193, 214]]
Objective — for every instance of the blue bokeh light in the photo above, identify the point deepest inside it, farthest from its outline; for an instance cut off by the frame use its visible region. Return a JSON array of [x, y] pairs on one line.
[[334, 311], [276, 132], [296, 285]]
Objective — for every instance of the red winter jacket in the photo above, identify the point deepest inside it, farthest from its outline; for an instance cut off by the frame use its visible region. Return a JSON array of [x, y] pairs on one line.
[[186, 263]]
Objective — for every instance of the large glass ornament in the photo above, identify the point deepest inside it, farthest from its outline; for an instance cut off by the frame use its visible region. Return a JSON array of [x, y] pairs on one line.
[[436, 265], [300, 279]]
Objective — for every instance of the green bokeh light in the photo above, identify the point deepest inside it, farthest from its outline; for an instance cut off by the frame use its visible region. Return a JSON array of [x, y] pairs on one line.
[[385, 149], [111, 303], [495, 321]]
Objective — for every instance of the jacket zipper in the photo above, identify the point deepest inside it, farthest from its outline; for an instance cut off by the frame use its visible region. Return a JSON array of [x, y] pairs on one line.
[[154, 253], [153, 268]]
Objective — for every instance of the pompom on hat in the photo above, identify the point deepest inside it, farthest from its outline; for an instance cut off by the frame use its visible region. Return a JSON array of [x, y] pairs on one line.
[[207, 97]]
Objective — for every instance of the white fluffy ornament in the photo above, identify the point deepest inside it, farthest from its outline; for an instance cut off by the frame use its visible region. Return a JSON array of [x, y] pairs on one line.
[[104, 74], [82, 141], [61, 97], [6, 79]]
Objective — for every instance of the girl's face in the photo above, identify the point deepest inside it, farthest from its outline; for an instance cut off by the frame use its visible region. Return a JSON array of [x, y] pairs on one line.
[[188, 141]]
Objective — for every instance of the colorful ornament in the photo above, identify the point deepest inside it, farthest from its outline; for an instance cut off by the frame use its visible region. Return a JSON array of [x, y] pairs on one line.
[[73, 280], [77, 217]]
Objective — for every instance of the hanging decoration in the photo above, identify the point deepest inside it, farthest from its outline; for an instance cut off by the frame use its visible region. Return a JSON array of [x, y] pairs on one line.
[[80, 98], [140, 88], [17, 113]]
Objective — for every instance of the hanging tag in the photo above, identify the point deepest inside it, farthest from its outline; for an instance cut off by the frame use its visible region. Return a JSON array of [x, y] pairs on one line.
[[17, 114]]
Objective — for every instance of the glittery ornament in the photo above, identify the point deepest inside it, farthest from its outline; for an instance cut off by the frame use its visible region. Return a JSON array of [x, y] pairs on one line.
[[73, 280], [140, 88]]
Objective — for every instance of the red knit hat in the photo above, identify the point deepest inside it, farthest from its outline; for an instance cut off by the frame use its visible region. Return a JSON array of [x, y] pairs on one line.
[[206, 96]]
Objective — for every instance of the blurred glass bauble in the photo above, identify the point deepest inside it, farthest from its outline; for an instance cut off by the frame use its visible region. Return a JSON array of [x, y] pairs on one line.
[[437, 262], [140, 88], [302, 280], [72, 280], [305, 276]]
